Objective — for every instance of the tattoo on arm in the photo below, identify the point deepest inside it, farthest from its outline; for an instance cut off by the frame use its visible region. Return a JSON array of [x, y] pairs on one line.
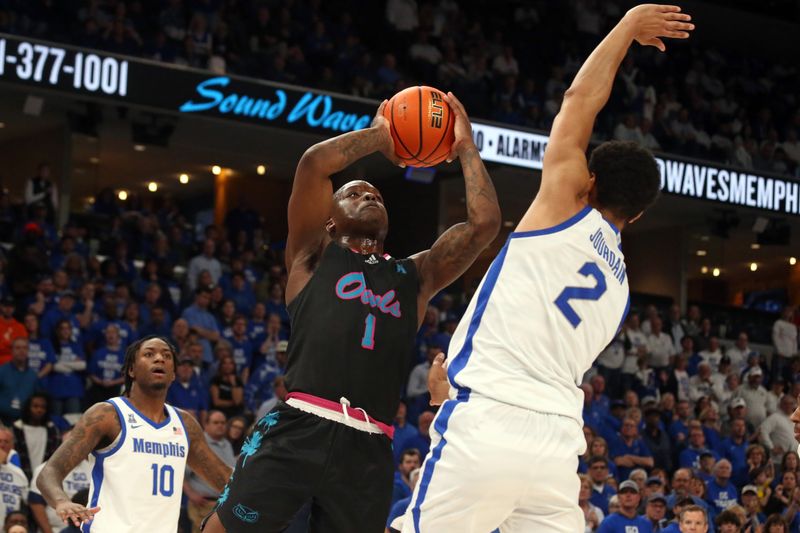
[[98, 424], [202, 460], [343, 150], [456, 249]]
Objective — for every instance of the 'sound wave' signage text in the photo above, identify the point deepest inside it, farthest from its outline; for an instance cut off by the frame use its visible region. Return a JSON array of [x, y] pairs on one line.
[[311, 109]]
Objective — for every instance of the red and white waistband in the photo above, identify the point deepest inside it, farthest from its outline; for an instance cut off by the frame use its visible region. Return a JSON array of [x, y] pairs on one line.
[[341, 412]]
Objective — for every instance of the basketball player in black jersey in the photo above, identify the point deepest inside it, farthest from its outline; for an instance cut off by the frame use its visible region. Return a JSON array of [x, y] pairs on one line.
[[355, 312]]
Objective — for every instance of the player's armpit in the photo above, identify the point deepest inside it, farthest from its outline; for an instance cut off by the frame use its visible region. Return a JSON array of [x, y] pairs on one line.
[[98, 426], [202, 460]]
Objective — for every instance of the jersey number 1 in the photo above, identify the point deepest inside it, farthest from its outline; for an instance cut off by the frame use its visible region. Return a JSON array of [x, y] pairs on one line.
[[589, 269], [368, 340]]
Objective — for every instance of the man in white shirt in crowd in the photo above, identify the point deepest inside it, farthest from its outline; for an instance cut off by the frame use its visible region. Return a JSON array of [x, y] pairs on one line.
[[755, 396], [659, 345], [775, 394], [777, 430], [610, 364], [45, 516], [14, 488], [674, 327], [713, 354], [204, 261], [784, 338], [739, 352], [203, 498], [701, 384], [418, 379]]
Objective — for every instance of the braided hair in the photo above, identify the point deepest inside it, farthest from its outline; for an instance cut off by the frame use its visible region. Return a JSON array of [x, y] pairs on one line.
[[130, 358]]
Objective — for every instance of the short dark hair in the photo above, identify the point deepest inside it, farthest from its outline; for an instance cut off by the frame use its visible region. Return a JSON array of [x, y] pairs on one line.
[[598, 459], [627, 177], [411, 451], [130, 358], [775, 519], [728, 517]]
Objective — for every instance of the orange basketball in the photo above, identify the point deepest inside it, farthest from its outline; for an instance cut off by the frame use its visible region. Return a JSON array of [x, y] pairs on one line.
[[422, 126]]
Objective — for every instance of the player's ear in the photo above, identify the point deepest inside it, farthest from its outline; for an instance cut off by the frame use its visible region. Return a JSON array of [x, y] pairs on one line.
[[330, 227]]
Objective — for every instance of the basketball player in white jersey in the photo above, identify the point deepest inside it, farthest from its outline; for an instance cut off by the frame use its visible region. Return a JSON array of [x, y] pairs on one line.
[[505, 445], [138, 448]]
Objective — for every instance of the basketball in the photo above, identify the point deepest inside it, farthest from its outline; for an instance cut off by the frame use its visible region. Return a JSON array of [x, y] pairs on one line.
[[421, 123]]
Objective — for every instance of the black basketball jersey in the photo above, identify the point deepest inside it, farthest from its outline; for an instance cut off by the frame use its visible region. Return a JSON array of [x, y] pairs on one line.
[[353, 330]]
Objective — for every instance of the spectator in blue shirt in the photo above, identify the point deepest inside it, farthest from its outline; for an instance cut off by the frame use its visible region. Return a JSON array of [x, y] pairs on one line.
[[41, 357], [257, 327], [66, 382], [422, 441], [734, 449], [410, 460], [600, 401], [629, 451], [241, 347], [152, 300], [276, 303], [105, 367], [402, 429], [680, 489], [679, 429], [17, 382], [63, 311], [721, 493], [97, 331], [242, 295], [202, 322], [690, 457], [626, 520], [158, 324], [400, 506], [186, 392], [274, 335], [259, 387], [602, 491]]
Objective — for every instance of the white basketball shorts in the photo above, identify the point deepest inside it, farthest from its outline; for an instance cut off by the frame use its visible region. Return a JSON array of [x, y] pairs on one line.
[[497, 467]]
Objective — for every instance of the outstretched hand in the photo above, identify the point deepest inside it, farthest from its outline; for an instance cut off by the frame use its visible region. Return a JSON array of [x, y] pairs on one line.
[[75, 513], [438, 385], [651, 22], [382, 126]]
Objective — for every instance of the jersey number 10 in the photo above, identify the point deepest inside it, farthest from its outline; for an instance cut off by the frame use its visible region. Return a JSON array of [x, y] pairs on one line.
[[163, 480], [589, 269]]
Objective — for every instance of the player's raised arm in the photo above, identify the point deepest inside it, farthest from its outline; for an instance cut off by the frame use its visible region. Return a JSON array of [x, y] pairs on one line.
[[456, 249], [312, 190], [98, 427], [565, 176], [202, 459]]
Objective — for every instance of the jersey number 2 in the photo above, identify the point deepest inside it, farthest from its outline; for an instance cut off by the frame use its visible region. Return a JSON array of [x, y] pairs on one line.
[[589, 269]]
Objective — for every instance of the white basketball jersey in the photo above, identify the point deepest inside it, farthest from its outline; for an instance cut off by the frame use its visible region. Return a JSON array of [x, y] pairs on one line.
[[137, 481], [550, 302]]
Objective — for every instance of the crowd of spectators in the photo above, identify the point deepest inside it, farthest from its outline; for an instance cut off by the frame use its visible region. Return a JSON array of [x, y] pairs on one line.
[[696, 100]]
